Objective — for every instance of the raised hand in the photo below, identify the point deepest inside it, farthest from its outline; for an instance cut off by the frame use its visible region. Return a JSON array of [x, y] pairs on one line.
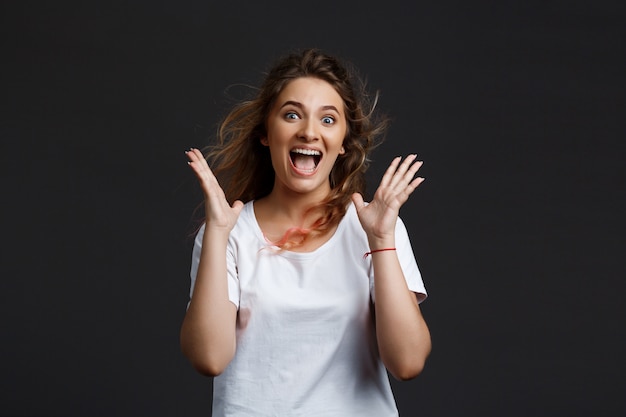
[[218, 213], [378, 218]]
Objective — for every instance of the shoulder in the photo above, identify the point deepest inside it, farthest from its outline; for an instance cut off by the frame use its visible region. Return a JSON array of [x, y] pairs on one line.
[[350, 231], [246, 221]]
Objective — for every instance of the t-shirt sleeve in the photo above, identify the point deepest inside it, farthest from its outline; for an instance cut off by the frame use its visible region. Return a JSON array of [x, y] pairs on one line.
[[233, 281], [408, 264]]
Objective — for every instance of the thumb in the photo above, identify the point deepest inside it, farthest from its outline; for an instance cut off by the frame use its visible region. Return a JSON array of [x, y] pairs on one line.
[[237, 206], [357, 199]]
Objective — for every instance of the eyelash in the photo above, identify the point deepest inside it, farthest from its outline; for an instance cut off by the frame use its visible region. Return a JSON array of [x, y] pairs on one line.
[[289, 115]]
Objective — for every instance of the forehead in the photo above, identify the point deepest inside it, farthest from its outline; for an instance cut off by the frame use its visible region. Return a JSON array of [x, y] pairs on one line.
[[310, 91]]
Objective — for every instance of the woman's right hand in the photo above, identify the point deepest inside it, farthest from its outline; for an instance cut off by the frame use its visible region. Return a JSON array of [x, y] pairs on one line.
[[219, 215]]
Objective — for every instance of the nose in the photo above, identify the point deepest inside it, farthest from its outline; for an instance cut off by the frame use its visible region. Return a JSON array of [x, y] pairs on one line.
[[308, 130]]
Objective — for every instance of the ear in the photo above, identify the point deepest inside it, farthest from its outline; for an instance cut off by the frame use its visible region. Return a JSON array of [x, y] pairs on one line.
[[342, 151], [264, 141]]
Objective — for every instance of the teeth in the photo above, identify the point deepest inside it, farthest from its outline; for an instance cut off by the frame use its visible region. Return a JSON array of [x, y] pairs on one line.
[[307, 152]]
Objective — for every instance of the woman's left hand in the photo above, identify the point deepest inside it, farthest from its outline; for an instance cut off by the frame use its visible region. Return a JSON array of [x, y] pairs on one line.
[[378, 218]]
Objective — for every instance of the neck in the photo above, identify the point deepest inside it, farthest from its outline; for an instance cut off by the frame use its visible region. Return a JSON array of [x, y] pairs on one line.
[[291, 207]]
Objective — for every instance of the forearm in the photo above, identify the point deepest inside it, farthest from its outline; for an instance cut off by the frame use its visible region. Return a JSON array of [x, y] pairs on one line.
[[402, 334], [208, 329]]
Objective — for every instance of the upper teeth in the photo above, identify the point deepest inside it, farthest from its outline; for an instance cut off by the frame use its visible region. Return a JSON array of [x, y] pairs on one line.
[[307, 152]]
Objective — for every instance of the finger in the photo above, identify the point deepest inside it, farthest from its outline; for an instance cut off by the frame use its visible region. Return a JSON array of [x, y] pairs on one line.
[[389, 173], [238, 206], [357, 199], [404, 174], [410, 178], [410, 174], [203, 173], [414, 184], [196, 160], [408, 190], [191, 154], [195, 156]]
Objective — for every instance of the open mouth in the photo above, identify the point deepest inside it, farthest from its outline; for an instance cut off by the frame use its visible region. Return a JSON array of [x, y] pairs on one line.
[[305, 160]]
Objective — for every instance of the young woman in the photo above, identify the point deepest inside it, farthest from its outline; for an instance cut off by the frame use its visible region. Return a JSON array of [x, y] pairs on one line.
[[303, 296]]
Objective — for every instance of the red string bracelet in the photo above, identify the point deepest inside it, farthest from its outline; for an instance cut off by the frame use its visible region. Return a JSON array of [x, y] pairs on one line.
[[376, 250]]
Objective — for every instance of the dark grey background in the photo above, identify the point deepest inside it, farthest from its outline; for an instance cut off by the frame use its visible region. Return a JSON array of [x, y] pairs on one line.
[[517, 109]]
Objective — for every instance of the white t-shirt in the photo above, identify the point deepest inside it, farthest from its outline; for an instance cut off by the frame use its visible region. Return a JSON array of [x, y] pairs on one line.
[[306, 343]]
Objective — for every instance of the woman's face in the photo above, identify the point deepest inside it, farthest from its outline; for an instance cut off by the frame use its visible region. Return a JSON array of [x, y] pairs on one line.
[[305, 132]]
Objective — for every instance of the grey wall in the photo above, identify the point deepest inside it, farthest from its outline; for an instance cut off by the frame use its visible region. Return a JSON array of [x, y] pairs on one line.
[[517, 109]]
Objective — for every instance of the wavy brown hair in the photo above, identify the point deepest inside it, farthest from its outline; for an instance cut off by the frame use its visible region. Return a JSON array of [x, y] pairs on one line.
[[243, 165]]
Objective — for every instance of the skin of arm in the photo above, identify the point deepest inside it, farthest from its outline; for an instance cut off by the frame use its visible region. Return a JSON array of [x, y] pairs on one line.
[[402, 334], [207, 334]]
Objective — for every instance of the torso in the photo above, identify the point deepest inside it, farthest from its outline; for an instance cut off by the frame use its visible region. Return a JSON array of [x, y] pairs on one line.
[[306, 342], [305, 337]]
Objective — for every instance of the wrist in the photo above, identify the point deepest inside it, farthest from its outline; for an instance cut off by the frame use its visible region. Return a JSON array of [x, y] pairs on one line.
[[373, 251], [384, 242], [216, 234]]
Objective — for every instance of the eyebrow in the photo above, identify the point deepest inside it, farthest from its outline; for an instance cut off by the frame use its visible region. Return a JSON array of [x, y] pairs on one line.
[[300, 106]]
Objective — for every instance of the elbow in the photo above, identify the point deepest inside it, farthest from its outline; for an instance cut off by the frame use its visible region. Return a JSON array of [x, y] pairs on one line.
[[208, 365], [209, 369], [407, 372], [408, 367], [206, 361]]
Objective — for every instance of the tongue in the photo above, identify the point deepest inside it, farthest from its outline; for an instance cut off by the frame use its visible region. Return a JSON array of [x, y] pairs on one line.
[[304, 162]]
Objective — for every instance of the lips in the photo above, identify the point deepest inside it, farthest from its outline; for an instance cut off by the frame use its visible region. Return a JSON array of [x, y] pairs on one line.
[[305, 161]]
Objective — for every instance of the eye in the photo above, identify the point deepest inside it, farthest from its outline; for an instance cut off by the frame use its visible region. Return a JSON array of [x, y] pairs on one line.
[[291, 115], [328, 120]]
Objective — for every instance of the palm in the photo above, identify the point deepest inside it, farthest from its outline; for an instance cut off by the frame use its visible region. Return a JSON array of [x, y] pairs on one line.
[[218, 213], [378, 218]]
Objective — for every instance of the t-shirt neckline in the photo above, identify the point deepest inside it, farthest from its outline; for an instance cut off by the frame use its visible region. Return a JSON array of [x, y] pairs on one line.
[[291, 254]]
